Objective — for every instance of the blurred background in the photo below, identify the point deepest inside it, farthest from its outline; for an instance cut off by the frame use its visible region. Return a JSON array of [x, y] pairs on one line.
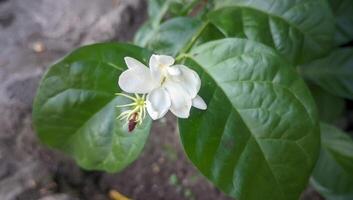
[[35, 33]]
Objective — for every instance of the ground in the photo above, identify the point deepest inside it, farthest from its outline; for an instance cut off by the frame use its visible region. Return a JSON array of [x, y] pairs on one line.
[[35, 33]]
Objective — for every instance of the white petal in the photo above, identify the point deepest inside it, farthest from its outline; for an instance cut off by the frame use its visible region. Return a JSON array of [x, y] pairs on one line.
[[133, 63], [137, 80], [154, 62], [158, 103], [156, 71], [173, 71], [161, 60], [199, 103], [159, 63], [180, 99], [189, 80], [166, 60]]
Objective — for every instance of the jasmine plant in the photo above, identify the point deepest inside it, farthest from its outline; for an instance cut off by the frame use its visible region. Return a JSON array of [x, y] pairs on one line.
[[257, 87]]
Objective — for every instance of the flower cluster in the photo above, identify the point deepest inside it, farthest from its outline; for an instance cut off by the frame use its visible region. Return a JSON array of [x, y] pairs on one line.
[[166, 86]]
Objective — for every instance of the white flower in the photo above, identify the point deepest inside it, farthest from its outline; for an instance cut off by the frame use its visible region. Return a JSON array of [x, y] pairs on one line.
[[168, 87]]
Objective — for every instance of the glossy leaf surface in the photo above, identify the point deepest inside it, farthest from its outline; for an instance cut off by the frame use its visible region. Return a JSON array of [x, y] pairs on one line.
[[74, 109], [333, 73], [259, 137], [300, 30], [333, 174]]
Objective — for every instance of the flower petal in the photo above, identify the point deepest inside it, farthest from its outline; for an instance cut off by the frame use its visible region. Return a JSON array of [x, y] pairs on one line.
[[154, 62], [137, 80], [173, 71], [158, 103], [161, 60], [199, 103], [166, 60], [180, 99], [159, 63], [133, 63], [156, 71], [189, 79]]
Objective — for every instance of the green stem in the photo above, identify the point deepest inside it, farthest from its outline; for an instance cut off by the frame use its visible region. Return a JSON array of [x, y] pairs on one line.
[[180, 57]]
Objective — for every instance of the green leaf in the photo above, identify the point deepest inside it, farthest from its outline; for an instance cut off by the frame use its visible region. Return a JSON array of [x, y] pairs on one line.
[[329, 106], [299, 30], [259, 137], [333, 73], [343, 11], [74, 109], [333, 174], [178, 35]]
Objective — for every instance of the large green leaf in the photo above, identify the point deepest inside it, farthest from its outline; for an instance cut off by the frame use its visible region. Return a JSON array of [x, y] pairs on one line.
[[333, 174], [259, 138], [333, 73], [74, 109], [180, 34], [300, 30], [343, 11]]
